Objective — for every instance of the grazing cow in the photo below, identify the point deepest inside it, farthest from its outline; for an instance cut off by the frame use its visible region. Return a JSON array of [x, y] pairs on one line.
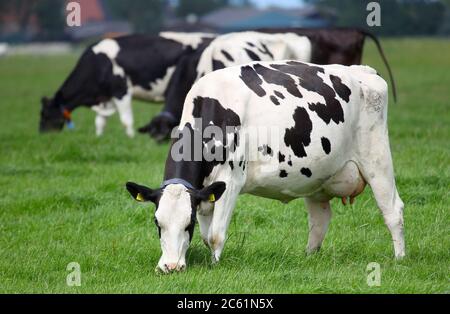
[[327, 45], [109, 73], [224, 51], [331, 139]]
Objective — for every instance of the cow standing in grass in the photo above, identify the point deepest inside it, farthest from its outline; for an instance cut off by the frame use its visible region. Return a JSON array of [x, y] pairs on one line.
[[331, 139], [113, 71], [224, 51], [320, 46]]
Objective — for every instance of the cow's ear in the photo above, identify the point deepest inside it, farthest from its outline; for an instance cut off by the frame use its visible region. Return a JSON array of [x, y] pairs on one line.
[[212, 192], [142, 193]]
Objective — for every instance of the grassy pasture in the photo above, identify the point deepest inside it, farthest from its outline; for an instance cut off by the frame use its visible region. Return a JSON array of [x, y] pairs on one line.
[[63, 200]]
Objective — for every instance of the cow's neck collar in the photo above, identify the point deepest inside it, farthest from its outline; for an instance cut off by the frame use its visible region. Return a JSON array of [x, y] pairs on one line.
[[187, 171], [186, 184]]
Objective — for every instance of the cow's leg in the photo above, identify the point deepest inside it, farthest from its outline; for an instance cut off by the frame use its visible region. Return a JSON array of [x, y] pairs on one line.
[[100, 123], [204, 222], [204, 218], [223, 210], [392, 207], [375, 161], [319, 215], [126, 113], [103, 111], [380, 176]]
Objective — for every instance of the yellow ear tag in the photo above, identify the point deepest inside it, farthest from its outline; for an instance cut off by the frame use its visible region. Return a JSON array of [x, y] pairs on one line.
[[139, 197], [212, 198]]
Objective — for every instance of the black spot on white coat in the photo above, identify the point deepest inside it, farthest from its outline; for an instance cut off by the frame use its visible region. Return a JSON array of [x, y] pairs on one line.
[[217, 65], [266, 51], [341, 89], [326, 145], [278, 78], [275, 100], [299, 136], [252, 80], [279, 94], [252, 55], [306, 172], [311, 81], [227, 55]]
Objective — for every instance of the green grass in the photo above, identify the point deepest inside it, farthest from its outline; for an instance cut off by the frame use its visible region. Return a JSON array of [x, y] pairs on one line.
[[63, 199]]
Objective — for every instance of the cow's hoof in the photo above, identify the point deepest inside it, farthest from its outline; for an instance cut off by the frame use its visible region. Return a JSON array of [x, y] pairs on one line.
[[312, 251], [215, 258]]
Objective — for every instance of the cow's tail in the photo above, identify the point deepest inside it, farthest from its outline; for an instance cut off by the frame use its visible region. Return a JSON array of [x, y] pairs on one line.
[[380, 50]]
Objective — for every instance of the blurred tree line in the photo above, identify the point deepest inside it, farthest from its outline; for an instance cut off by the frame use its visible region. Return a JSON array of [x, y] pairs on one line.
[[47, 12], [398, 17], [199, 7], [144, 15]]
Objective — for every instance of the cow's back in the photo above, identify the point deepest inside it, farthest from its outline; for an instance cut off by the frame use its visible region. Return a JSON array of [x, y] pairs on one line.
[[239, 48], [315, 139]]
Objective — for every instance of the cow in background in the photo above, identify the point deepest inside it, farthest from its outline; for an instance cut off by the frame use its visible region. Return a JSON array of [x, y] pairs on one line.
[[338, 45], [113, 71], [224, 51], [327, 46]]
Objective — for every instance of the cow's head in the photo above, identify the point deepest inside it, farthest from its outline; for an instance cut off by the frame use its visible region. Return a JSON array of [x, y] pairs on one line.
[[160, 127], [52, 117], [176, 207]]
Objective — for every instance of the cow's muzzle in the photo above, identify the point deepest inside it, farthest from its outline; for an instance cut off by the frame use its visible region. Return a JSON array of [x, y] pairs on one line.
[[168, 268]]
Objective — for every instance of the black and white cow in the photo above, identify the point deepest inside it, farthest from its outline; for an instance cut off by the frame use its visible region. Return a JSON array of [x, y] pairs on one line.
[[321, 46], [109, 73], [328, 137], [224, 51]]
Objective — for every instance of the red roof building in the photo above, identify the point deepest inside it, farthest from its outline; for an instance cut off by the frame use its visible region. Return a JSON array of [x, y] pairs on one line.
[[22, 24]]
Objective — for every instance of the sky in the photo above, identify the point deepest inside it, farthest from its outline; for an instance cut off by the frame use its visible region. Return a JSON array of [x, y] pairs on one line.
[[279, 3]]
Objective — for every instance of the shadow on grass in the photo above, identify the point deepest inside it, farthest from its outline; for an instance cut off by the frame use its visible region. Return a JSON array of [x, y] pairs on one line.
[[198, 255]]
